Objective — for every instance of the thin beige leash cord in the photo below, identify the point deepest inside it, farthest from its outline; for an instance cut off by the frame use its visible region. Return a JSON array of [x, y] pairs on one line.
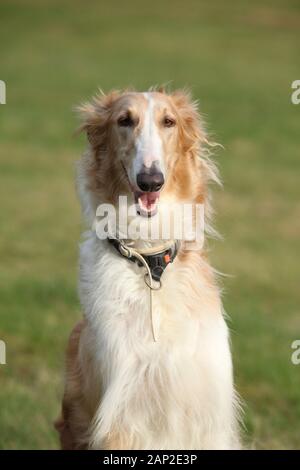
[[129, 252]]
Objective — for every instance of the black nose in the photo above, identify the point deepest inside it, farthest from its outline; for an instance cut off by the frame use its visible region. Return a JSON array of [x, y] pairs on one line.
[[150, 182]]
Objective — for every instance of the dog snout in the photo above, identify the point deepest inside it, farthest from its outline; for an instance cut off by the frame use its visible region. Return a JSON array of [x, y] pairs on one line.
[[150, 182]]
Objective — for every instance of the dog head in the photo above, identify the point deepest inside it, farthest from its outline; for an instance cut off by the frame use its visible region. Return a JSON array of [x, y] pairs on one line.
[[148, 146]]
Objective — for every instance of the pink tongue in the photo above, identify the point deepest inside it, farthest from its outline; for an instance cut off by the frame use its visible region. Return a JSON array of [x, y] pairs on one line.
[[149, 198]]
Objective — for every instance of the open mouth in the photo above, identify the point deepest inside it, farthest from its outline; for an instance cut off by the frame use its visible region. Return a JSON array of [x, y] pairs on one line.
[[146, 203]]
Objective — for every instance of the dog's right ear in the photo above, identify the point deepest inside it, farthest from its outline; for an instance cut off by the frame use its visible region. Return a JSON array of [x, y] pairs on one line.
[[95, 116]]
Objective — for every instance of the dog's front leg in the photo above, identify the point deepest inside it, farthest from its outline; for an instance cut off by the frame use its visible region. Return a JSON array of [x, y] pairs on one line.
[[74, 421]]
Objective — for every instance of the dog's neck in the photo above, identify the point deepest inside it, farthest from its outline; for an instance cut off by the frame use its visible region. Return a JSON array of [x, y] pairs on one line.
[[144, 241]]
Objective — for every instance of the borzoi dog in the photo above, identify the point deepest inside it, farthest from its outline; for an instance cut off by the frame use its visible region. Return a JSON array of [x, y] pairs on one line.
[[149, 366]]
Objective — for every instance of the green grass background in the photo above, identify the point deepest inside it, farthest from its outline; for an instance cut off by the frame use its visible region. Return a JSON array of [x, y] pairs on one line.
[[239, 58]]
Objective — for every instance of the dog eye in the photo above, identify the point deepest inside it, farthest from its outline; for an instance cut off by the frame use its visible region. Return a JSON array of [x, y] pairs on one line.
[[169, 122], [125, 121]]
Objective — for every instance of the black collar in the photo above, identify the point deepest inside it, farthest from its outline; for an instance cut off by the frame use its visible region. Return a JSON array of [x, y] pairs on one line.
[[157, 262]]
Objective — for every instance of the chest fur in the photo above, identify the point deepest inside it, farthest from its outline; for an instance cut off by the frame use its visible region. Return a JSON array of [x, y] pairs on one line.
[[162, 385]]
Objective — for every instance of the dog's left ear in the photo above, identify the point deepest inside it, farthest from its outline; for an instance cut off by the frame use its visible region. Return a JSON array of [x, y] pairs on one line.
[[194, 140], [95, 116], [191, 129]]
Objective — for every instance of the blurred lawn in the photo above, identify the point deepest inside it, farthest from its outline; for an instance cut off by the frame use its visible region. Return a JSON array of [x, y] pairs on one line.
[[239, 58]]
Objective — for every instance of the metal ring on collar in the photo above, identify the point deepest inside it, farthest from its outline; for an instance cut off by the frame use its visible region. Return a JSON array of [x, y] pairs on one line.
[[150, 285]]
